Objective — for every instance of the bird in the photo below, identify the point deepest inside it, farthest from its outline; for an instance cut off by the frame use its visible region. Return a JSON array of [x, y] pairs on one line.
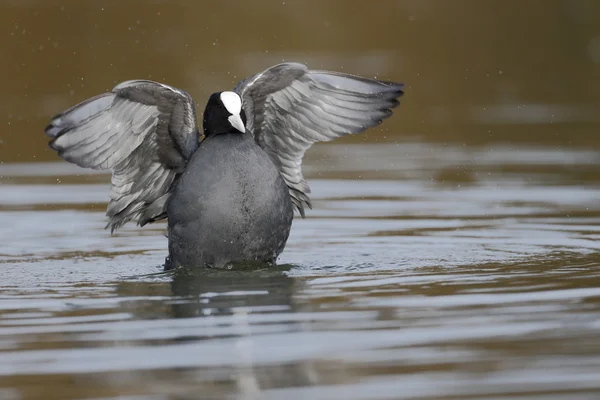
[[229, 192]]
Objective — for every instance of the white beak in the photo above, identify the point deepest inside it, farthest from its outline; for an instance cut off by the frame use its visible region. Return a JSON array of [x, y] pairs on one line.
[[236, 121]]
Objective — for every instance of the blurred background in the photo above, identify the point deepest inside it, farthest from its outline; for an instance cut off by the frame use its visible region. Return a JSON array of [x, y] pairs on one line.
[[476, 71]]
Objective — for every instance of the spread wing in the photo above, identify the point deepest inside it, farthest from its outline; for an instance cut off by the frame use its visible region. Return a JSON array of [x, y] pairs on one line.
[[143, 132], [289, 107]]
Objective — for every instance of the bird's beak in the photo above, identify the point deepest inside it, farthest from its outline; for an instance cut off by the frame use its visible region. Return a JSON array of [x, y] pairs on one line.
[[236, 121]]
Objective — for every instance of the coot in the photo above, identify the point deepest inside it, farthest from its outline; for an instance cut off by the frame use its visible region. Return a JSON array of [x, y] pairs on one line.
[[228, 193]]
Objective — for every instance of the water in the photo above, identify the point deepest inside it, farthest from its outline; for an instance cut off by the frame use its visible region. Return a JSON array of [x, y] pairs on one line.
[[424, 271], [461, 263]]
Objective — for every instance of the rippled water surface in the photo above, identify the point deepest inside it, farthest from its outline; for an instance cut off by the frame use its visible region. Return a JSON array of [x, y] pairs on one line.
[[423, 271]]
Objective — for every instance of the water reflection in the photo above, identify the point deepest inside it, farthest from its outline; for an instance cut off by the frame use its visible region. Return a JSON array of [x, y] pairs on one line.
[[488, 330], [208, 293], [449, 272]]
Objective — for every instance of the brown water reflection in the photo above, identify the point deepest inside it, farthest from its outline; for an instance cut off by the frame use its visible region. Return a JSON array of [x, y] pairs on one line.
[[477, 71]]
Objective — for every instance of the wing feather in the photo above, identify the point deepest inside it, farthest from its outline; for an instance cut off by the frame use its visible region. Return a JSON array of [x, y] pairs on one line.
[[143, 132], [290, 107]]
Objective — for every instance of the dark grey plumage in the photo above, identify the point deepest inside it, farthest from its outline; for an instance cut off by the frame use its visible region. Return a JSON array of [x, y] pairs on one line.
[[231, 204], [230, 197]]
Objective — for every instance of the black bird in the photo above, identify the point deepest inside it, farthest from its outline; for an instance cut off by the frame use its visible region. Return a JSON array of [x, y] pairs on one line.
[[229, 194]]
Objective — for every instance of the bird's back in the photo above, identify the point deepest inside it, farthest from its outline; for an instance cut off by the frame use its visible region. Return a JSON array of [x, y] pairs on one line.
[[231, 204]]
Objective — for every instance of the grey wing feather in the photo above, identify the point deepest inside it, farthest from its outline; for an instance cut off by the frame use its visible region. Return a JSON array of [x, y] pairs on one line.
[[290, 107], [143, 132]]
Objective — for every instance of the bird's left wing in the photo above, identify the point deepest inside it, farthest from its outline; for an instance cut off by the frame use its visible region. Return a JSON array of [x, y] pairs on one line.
[[289, 107]]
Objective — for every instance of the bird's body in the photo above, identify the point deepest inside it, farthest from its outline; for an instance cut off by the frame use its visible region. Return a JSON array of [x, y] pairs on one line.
[[228, 194], [239, 211]]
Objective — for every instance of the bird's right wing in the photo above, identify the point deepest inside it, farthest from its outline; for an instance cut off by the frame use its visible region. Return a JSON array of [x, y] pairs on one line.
[[143, 132]]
